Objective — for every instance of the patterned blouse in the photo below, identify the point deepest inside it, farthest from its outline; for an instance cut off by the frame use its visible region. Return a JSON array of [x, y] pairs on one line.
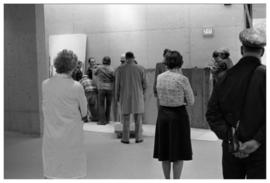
[[174, 89]]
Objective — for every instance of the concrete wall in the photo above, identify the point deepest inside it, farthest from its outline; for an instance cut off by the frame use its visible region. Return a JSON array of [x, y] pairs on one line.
[[147, 29], [24, 49]]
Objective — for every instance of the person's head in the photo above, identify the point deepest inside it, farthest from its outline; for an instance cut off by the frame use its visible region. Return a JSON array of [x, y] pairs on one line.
[[79, 64], [122, 58], [224, 53], [174, 60], [215, 54], [129, 56], [106, 61], [253, 42], [65, 62], [91, 61]]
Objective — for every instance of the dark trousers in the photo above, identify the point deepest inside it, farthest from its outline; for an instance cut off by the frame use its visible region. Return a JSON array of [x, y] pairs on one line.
[[104, 103], [252, 167]]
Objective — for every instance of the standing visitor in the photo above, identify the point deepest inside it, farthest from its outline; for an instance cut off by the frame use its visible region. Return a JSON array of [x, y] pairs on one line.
[[130, 87], [105, 79], [90, 90], [64, 105], [172, 136], [237, 111]]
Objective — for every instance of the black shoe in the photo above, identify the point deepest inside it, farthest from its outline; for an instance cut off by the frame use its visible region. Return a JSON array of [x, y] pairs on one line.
[[139, 141], [125, 142], [99, 123]]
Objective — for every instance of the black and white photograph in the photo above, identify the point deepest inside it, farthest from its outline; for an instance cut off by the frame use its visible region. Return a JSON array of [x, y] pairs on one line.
[[134, 90]]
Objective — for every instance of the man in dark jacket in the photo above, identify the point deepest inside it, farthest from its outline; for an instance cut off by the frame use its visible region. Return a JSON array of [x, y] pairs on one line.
[[237, 111]]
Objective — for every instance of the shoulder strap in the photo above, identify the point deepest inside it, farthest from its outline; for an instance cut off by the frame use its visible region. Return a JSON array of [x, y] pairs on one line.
[[245, 95]]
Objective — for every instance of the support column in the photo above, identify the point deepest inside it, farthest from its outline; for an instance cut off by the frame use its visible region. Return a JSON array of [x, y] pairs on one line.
[[24, 67]]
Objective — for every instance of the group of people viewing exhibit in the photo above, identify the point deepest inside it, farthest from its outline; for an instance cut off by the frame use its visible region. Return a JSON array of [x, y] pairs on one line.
[[236, 109]]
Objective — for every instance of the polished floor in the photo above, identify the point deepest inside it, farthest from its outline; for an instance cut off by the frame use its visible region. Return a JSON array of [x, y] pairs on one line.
[[109, 159]]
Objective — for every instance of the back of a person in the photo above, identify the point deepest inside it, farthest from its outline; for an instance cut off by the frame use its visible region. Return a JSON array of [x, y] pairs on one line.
[[254, 112], [132, 77], [64, 105], [170, 87], [60, 99], [105, 75], [172, 145], [63, 129]]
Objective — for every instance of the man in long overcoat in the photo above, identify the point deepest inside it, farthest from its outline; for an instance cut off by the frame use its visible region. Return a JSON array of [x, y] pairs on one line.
[[130, 87]]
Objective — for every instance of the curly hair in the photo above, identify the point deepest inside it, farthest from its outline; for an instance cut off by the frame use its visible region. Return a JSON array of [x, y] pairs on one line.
[[65, 61], [173, 59]]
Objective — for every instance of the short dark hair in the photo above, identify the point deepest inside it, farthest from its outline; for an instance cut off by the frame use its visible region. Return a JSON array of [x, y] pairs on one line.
[[106, 60], [90, 59], [165, 51], [215, 54], [65, 61], [252, 49], [173, 59], [129, 55]]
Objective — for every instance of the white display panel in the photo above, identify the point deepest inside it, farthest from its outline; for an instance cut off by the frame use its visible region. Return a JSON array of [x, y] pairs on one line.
[[74, 42]]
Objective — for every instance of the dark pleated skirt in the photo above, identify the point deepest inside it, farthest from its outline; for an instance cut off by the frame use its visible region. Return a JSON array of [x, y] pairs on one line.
[[172, 137]]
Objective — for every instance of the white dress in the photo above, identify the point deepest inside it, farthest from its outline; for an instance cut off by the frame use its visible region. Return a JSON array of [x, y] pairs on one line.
[[64, 104]]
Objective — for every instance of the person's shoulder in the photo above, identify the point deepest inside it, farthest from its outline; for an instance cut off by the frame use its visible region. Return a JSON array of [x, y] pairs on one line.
[[164, 74], [260, 70], [120, 67], [181, 78], [140, 67], [76, 84]]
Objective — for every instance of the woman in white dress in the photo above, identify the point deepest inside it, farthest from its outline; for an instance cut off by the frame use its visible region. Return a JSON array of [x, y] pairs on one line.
[[64, 106]]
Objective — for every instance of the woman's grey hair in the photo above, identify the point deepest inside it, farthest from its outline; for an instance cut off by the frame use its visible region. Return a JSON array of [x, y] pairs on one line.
[[65, 61]]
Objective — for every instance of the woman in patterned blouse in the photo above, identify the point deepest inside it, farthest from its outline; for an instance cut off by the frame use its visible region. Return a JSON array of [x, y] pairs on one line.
[[172, 137]]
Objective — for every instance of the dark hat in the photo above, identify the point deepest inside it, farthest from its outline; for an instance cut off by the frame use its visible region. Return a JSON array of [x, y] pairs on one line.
[[129, 55], [251, 37]]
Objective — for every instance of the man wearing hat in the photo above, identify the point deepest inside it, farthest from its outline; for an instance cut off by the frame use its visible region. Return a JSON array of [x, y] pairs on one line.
[[130, 86], [237, 111]]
